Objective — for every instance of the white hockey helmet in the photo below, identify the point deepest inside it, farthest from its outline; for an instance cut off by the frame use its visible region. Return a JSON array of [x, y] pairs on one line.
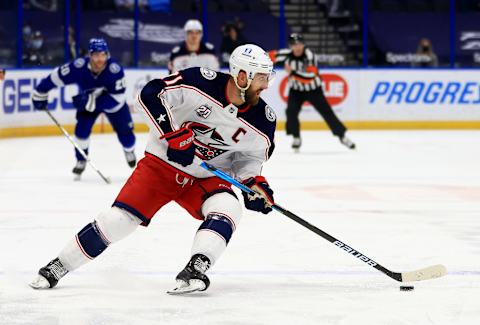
[[193, 24], [252, 59]]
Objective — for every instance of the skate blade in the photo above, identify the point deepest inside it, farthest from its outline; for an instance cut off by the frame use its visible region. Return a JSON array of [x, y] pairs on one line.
[[77, 178], [184, 288], [39, 283]]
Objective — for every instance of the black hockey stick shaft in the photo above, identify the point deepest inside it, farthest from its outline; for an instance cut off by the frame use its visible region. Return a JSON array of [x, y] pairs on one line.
[[348, 249], [338, 243], [72, 141]]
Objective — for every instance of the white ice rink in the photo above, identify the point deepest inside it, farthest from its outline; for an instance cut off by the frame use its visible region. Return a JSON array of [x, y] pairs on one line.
[[405, 199]]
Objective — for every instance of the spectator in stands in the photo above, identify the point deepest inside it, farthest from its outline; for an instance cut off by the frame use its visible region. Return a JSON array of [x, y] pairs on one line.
[[240, 24], [34, 49], [72, 44], [232, 38], [193, 52], [425, 48], [27, 33], [2, 74]]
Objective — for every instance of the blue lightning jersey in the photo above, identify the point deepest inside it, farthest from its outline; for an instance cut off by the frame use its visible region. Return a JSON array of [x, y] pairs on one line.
[[108, 86]]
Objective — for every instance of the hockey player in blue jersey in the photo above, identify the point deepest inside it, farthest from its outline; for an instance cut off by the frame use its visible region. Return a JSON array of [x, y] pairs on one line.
[[101, 85]]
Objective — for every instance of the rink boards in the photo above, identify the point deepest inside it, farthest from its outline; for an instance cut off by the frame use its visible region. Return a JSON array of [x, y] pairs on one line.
[[362, 98]]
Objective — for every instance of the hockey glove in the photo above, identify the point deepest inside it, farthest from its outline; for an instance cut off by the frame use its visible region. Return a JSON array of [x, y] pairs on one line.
[[84, 101], [262, 200], [40, 101], [181, 148]]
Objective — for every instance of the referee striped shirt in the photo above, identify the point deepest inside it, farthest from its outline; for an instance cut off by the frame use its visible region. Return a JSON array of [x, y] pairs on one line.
[[304, 76]]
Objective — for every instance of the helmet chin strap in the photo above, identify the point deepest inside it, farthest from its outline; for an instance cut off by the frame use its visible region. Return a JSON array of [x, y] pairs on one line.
[[242, 90]]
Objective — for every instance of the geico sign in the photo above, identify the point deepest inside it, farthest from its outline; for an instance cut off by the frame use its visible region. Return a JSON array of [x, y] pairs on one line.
[[334, 87], [16, 96]]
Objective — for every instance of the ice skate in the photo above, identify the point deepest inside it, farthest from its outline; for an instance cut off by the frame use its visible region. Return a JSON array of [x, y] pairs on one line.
[[131, 159], [192, 278], [347, 142], [296, 144], [79, 169], [49, 275]]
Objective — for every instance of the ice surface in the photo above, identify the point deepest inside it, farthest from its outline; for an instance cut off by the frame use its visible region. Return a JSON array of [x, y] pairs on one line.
[[405, 199]]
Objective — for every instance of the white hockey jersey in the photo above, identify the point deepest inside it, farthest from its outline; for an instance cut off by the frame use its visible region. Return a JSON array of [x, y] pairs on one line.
[[181, 58], [237, 140]]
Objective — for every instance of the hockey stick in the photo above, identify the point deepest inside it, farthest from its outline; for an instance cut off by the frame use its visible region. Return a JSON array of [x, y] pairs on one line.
[[427, 273], [84, 155]]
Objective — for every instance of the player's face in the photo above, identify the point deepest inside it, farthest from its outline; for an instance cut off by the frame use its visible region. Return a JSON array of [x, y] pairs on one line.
[[259, 84], [194, 36], [297, 49], [98, 60]]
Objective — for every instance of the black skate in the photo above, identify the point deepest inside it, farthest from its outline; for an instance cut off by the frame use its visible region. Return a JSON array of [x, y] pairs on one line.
[[296, 144], [49, 275], [192, 278], [79, 168], [347, 142], [131, 159]]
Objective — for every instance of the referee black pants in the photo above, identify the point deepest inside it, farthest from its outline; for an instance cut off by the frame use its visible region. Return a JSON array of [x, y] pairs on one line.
[[317, 99]]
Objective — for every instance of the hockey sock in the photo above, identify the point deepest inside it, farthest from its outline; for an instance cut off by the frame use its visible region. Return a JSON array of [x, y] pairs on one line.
[[213, 236], [109, 227], [88, 244], [91, 240]]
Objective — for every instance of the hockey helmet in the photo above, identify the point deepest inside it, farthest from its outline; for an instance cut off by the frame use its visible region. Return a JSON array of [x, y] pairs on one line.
[[252, 59], [97, 45], [193, 24]]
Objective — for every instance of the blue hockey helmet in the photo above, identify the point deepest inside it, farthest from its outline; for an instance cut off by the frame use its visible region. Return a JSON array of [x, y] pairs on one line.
[[97, 45]]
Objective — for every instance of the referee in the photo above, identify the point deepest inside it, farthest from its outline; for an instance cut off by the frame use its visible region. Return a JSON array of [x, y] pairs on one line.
[[305, 84]]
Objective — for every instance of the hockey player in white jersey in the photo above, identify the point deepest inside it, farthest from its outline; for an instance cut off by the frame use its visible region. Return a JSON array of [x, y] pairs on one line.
[[195, 114], [193, 52]]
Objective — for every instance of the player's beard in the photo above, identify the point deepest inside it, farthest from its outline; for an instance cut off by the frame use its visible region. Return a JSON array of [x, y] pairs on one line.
[[251, 96]]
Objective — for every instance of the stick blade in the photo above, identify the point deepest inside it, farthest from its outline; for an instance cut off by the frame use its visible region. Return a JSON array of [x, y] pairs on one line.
[[431, 272]]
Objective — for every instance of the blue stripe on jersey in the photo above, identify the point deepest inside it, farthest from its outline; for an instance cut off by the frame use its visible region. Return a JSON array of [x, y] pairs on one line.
[[150, 101], [219, 224]]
